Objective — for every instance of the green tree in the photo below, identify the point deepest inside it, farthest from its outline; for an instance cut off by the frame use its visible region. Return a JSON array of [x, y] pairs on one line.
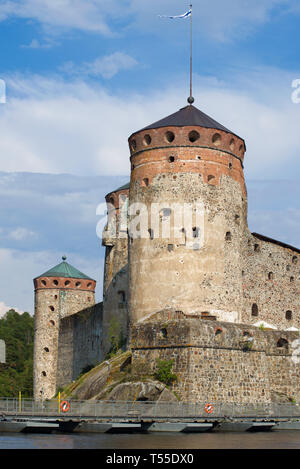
[[17, 330]]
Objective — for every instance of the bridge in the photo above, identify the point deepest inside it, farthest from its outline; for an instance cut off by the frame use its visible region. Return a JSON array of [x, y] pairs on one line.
[[27, 415]]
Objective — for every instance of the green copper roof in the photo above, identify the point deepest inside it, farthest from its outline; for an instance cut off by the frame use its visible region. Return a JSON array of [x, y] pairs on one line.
[[65, 270], [122, 188], [126, 186]]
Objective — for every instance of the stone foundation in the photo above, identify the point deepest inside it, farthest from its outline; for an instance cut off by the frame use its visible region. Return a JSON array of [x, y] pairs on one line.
[[221, 362]]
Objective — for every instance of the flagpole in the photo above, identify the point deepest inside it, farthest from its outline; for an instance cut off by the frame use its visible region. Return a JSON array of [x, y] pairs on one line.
[[191, 99]]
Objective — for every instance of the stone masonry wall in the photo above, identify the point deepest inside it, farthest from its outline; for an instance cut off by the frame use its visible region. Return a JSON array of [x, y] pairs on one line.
[[271, 281], [164, 272], [221, 362], [51, 305], [79, 343], [115, 284]]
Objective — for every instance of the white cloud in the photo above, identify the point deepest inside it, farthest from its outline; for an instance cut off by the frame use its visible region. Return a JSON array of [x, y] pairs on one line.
[[20, 234], [107, 66], [4, 309], [76, 127], [218, 19], [56, 15], [36, 44]]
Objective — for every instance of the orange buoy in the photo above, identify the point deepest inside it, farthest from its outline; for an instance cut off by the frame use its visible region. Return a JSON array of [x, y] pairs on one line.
[[65, 406], [209, 408]]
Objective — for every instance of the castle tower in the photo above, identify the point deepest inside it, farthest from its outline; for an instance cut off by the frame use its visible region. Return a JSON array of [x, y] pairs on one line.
[[115, 284], [187, 158], [59, 292]]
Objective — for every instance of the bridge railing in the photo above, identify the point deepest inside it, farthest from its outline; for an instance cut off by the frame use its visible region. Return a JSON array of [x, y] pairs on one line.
[[138, 410]]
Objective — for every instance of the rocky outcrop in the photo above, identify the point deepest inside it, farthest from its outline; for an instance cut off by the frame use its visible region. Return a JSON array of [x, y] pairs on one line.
[[118, 379], [149, 390]]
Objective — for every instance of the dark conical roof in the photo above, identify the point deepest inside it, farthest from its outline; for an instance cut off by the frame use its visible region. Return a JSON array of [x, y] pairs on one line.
[[65, 270], [188, 116]]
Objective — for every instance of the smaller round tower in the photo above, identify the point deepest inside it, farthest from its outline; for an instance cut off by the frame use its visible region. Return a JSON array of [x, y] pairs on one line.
[[115, 283], [59, 292]]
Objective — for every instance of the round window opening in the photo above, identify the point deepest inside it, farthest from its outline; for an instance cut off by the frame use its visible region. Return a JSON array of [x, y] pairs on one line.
[[216, 139], [194, 136], [133, 145], [170, 137], [147, 139]]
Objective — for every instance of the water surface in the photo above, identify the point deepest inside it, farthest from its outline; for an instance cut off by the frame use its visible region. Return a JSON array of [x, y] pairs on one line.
[[264, 440]]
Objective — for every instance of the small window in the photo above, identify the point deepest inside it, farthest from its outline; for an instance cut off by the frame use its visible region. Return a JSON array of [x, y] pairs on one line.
[[151, 233], [145, 182], [89, 284], [170, 137], [194, 136], [78, 284], [230, 165], [210, 177], [228, 236], [44, 283], [218, 331], [133, 145], [44, 373], [270, 276], [147, 139], [122, 296], [67, 282], [55, 282], [289, 315], [170, 247], [216, 139], [51, 308], [46, 349], [254, 310], [256, 248], [164, 333], [282, 343], [171, 159], [232, 144], [295, 260]]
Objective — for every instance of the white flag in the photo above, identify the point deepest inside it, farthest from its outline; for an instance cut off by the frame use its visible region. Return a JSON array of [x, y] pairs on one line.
[[185, 15]]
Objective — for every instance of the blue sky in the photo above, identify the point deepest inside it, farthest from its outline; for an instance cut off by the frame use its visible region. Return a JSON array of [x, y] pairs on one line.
[[82, 75]]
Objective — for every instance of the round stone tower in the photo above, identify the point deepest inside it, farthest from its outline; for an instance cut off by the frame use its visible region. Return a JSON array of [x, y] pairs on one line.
[[115, 284], [186, 174], [59, 292]]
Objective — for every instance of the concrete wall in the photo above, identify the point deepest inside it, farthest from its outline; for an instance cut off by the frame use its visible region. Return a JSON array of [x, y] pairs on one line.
[[2, 351], [221, 362], [79, 343]]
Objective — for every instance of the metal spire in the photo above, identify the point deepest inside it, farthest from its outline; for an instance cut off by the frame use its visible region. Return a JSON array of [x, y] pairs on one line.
[[190, 98]]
